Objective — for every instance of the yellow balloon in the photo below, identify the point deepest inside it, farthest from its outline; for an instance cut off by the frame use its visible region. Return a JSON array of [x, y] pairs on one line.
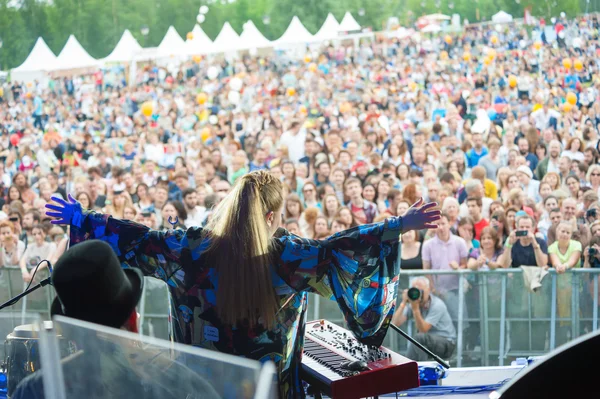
[[536, 107], [291, 91], [197, 59], [307, 58], [537, 45], [467, 56], [567, 63], [567, 107], [190, 36], [312, 67], [147, 108], [448, 39], [494, 39], [491, 53], [512, 81], [488, 60], [201, 98], [303, 110], [578, 65], [444, 55], [205, 134], [571, 98]]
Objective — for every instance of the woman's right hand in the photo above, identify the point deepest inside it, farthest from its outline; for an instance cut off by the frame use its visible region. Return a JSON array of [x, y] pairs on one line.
[[66, 212]]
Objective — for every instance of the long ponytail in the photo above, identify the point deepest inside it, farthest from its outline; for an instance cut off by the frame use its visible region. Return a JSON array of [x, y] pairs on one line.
[[240, 250]]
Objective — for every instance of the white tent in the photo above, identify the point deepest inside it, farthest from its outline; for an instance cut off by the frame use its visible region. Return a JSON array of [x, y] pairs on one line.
[[40, 59], [172, 45], [329, 30], [200, 43], [502, 18], [251, 38], [227, 40], [296, 33], [125, 50], [348, 23], [437, 17], [432, 28], [74, 56]]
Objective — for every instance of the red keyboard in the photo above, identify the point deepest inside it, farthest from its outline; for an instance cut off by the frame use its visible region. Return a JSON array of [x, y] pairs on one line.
[[336, 364]]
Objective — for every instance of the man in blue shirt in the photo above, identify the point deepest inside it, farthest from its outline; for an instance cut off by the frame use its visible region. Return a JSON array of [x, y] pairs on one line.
[[532, 159], [38, 112], [477, 152]]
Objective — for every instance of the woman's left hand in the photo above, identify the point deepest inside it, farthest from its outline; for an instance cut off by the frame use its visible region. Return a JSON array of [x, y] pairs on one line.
[[65, 212], [419, 216]]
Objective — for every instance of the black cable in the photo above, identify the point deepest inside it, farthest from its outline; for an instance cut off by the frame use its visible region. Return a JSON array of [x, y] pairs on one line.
[[36, 269], [31, 281]]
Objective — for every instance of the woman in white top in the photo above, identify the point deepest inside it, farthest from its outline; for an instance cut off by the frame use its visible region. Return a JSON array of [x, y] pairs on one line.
[[574, 149], [36, 251], [11, 248]]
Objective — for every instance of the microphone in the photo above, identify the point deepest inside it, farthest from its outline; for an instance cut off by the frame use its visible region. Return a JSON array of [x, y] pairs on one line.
[[28, 290]]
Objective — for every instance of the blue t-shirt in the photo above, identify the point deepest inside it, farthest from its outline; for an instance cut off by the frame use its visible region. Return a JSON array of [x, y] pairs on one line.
[[37, 103], [473, 157]]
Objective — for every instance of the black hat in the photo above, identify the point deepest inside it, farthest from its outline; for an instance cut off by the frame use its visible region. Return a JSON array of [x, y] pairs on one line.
[[92, 286]]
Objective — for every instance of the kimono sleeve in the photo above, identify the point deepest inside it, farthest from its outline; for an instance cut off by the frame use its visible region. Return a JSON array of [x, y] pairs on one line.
[[358, 268], [155, 253]]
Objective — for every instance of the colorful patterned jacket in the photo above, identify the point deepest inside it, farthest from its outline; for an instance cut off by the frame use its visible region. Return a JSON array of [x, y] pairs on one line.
[[358, 268]]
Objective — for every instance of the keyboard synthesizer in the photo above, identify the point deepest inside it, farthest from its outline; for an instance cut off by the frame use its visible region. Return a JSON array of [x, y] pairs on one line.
[[338, 365]]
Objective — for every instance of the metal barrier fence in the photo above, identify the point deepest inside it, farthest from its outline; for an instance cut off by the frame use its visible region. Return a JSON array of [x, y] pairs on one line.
[[153, 308], [498, 318]]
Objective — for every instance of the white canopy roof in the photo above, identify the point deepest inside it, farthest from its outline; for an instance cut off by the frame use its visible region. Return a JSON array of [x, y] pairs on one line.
[[125, 50], [329, 30], [200, 43], [226, 40], [437, 17], [41, 58], [431, 28], [295, 33], [348, 23], [502, 18], [252, 38], [74, 56], [172, 45]]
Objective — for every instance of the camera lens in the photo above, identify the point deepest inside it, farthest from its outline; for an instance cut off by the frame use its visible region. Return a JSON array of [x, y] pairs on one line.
[[413, 293]]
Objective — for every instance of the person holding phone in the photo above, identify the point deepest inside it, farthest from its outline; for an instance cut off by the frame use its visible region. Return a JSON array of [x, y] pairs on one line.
[[523, 248]]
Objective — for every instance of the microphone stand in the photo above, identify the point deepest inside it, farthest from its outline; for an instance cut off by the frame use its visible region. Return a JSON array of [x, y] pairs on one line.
[[420, 346], [16, 299]]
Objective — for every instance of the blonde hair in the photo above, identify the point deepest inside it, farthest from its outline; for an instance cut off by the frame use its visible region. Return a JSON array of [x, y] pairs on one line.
[[240, 250]]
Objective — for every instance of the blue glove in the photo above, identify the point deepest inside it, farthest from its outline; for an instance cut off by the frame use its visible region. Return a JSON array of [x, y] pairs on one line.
[[66, 212], [419, 216]]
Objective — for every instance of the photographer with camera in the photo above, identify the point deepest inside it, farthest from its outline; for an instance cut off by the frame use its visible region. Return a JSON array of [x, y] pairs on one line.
[[591, 255], [435, 329]]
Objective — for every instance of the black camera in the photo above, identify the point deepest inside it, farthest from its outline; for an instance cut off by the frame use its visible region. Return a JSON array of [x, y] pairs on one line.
[[592, 251], [521, 233], [414, 294]]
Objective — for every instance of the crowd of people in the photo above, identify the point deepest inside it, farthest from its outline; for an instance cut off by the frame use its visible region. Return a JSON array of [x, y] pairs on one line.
[[497, 124]]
